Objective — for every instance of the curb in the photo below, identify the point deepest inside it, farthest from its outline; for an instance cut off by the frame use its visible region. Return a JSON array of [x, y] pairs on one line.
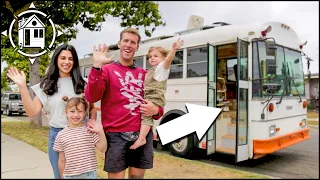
[[9, 119]]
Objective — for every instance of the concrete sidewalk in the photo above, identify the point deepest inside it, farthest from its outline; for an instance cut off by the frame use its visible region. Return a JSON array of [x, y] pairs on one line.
[[20, 160]]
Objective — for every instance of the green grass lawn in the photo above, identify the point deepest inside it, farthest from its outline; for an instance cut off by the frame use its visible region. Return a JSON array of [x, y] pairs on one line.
[[312, 114], [314, 123], [165, 166]]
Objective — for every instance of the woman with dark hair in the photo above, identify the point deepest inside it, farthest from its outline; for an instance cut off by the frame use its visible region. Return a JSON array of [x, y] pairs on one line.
[[63, 78]]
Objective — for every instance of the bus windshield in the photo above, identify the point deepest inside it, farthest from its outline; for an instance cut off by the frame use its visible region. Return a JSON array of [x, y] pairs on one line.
[[288, 63]]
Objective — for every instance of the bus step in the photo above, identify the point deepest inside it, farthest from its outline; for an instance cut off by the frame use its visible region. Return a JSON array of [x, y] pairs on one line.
[[229, 141], [232, 129], [228, 136], [226, 150]]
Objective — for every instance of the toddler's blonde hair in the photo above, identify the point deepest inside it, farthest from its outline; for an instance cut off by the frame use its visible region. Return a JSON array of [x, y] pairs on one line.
[[162, 50]]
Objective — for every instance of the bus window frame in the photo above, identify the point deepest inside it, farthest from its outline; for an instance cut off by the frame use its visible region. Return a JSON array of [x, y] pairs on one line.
[[261, 75], [227, 67], [199, 62]]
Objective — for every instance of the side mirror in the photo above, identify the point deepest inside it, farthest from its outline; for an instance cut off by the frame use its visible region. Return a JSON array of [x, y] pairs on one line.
[[309, 75], [271, 48], [271, 66]]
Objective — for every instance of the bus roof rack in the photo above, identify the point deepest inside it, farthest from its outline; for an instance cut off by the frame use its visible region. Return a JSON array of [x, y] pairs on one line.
[[205, 27], [222, 23], [88, 55], [187, 31], [157, 38]]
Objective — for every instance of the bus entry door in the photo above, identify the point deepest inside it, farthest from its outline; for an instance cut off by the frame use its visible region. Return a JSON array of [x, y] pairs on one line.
[[242, 149], [211, 96]]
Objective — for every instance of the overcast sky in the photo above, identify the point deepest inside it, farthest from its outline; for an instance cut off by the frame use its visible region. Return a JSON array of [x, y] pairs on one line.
[[303, 17]]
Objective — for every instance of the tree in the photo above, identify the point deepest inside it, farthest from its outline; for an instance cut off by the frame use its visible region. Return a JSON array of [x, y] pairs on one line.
[[67, 14]]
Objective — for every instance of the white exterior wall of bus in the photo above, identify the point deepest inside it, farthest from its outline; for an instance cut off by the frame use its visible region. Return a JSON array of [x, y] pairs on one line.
[[219, 35], [225, 33]]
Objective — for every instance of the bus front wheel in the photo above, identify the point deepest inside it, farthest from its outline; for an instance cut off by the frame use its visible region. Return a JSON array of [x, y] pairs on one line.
[[182, 147]]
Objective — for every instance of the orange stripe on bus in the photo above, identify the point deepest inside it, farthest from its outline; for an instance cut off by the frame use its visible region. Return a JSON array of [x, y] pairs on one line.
[[267, 146], [97, 108]]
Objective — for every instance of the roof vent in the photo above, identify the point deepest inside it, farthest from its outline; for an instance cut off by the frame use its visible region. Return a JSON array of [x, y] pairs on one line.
[[195, 22]]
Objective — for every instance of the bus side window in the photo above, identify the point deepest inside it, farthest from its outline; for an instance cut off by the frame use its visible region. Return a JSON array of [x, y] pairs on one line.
[[177, 66], [139, 61], [86, 71], [197, 62], [232, 66]]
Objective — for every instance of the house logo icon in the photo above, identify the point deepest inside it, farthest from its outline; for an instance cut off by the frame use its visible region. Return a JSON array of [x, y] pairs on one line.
[[32, 32]]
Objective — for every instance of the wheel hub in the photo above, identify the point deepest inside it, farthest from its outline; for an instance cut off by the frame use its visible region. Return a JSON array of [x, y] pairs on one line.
[[180, 145]]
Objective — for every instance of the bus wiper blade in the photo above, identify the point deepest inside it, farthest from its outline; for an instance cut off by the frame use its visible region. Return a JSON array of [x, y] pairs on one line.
[[296, 88], [288, 79], [291, 79], [285, 83]]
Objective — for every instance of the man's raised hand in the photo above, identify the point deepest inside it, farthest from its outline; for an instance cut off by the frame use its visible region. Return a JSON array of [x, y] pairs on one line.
[[99, 56]]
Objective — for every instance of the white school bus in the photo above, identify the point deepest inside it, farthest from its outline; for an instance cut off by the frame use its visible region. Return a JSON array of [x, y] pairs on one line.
[[252, 72]]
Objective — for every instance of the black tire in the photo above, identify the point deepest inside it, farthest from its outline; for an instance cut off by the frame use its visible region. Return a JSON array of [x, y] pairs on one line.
[[183, 147], [8, 112], [20, 114]]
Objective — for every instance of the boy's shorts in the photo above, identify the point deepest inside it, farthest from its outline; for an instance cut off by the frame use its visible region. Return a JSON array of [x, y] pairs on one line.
[[119, 156]]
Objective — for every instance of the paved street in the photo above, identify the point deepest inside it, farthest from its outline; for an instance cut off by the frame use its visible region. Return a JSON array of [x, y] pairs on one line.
[[298, 161]]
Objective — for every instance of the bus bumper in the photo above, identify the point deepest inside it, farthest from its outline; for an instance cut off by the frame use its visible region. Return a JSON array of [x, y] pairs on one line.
[[268, 146]]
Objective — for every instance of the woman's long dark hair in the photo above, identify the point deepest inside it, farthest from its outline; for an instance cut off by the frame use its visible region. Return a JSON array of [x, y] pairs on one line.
[[50, 80]]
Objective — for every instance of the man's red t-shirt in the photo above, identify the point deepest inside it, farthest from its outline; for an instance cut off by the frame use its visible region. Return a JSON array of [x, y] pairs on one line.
[[120, 89]]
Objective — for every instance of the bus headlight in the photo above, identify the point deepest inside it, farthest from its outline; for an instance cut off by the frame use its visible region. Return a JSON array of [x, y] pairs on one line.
[[272, 130]]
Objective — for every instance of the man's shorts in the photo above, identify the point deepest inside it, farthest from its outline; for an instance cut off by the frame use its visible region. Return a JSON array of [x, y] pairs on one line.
[[119, 156]]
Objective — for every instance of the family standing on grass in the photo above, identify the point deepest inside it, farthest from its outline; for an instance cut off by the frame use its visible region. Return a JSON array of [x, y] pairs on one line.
[[131, 98]]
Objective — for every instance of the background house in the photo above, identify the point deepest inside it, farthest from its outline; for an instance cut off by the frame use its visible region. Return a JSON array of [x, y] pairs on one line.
[[312, 90]]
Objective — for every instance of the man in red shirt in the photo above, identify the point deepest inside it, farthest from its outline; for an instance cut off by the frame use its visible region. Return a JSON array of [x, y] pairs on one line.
[[119, 85]]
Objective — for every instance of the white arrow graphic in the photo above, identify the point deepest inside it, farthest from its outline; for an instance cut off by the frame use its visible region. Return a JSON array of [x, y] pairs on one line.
[[32, 60], [59, 33], [4, 33], [198, 119]]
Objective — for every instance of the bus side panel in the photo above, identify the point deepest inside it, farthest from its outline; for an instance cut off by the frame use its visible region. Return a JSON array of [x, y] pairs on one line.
[[287, 108], [179, 92], [286, 117], [192, 90]]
